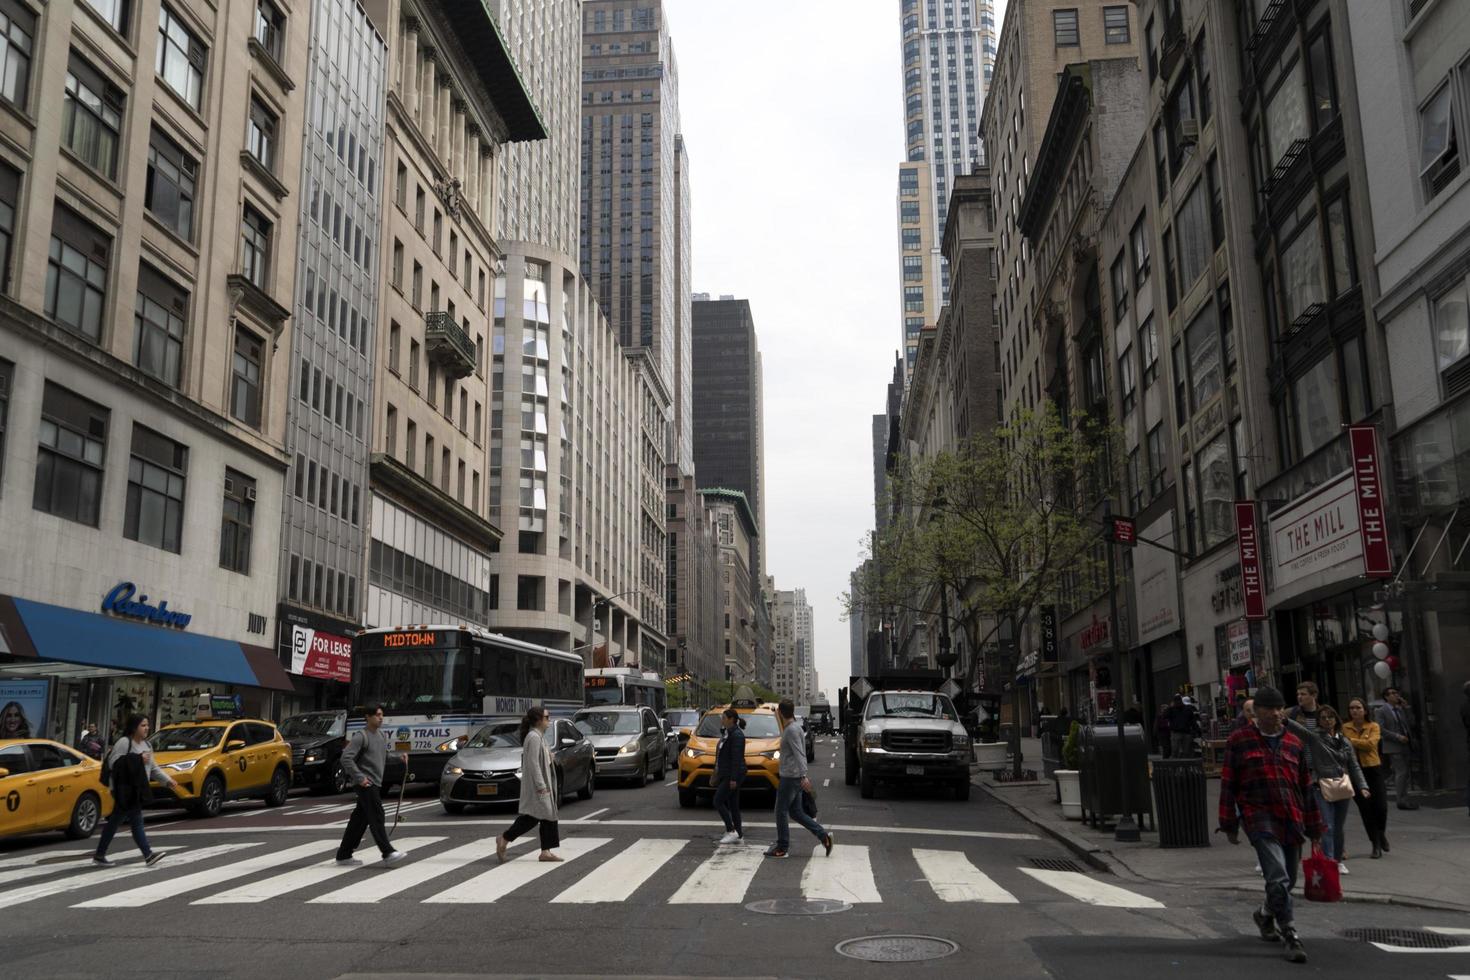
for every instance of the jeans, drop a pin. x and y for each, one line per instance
(1399, 766)
(550, 833)
(788, 807)
(134, 817)
(367, 815)
(1334, 821)
(727, 805)
(1278, 865)
(1374, 810)
(1182, 744)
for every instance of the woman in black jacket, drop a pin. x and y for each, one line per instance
(729, 775)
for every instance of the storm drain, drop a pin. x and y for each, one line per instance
(897, 949)
(1056, 864)
(1403, 938)
(798, 906)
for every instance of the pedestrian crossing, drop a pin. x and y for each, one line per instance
(593, 870)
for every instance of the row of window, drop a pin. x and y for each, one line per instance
(450, 466)
(1067, 31)
(314, 584)
(320, 487)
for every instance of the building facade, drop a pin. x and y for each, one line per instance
(145, 338)
(736, 533)
(794, 647)
(695, 604)
(454, 100)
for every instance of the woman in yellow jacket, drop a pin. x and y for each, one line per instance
(1364, 733)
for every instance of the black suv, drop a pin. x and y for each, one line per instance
(317, 739)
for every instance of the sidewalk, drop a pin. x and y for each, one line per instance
(1429, 866)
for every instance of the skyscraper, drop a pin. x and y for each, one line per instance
(948, 58)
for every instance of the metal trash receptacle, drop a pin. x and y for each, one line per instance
(1103, 764)
(1182, 802)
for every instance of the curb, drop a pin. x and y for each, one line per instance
(1110, 863)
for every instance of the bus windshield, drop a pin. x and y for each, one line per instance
(420, 681)
(611, 694)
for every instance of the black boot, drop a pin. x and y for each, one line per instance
(1383, 843)
(1377, 851)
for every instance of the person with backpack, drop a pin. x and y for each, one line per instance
(729, 774)
(127, 771)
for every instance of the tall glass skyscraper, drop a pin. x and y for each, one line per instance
(948, 58)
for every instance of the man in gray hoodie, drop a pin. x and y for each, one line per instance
(363, 761)
(793, 782)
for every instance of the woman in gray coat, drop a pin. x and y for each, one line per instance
(1332, 755)
(538, 788)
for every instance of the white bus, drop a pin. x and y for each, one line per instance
(439, 684)
(625, 685)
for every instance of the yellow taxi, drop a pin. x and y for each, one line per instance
(46, 786)
(218, 760)
(762, 750)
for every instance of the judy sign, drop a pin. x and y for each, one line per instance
(121, 602)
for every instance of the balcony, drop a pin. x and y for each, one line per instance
(448, 345)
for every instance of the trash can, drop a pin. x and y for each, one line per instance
(1103, 763)
(1183, 805)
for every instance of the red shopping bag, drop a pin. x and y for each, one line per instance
(1321, 881)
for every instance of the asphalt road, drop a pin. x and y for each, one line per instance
(644, 892)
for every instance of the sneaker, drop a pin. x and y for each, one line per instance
(730, 838)
(776, 852)
(394, 857)
(1295, 951)
(153, 858)
(349, 862)
(1267, 925)
(827, 843)
(1342, 867)
(103, 862)
(1408, 806)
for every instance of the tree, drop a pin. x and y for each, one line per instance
(1005, 523)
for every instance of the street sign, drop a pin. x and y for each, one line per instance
(1124, 531)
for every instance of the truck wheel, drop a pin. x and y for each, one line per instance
(867, 785)
(962, 790)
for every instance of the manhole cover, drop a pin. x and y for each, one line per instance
(1403, 938)
(897, 949)
(1056, 864)
(798, 906)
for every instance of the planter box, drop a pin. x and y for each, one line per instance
(990, 755)
(1069, 786)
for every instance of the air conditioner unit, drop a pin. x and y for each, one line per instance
(250, 493)
(229, 485)
(1188, 132)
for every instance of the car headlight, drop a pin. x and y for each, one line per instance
(872, 739)
(518, 773)
(691, 754)
(453, 771)
(314, 757)
(773, 754)
(962, 739)
(453, 745)
(182, 766)
(628, 748)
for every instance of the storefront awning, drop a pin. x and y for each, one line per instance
(45, 632)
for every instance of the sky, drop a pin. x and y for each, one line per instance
(792, 113)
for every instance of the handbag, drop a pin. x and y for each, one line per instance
(1322, 882)
(809, 803)
(1335, 788)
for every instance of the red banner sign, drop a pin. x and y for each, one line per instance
(1368, 481)
(1124, 532)
(1248, 541)
(316, 653)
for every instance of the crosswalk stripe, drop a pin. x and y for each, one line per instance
(955, 879)
(13, 875)
(102, 876)
(723, 878)
(291, 881)
(173, 887)
(416, 872)
(503, 879)
(1076, 885)
(846, 875)
(45, 857)
(619, 877)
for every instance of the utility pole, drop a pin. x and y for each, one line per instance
(1126, 830)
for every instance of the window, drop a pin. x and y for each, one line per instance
(418, 209)
(1064, 26)
(1115, 25)
(1202, 72)
(1315, 408)
(529, 590)
(71, 446)
(413, 364)
(76, 274)
(1193, 223)
(245, 383)
(1118, 279)
(1158, 462)
(416, 293)
(1202, 343)
(1301, 270)
(1439, 150)
(438, 230)
(17, 31)
(169, 192)
(1324, 85)
(1286, 114)
(155, 506)
(1161, 160)
(429, 458)
(1451, 313)
(114, 12)
(394, 340)
(1171, 288)
(9, 201)
(270, 27)
(1217, 203)
(397, 265)
(5, 375)
(1138, 240)
(255, 244)
(91, 117)
(913, 298)
(913, 268)
(180, 61)
(390, 424)
(1148, 341)
(261, 140)
(159, 314)
(1127, 381)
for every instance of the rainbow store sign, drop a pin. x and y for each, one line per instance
(120, 602)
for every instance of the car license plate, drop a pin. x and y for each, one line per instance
(487, 789)
(914, 770)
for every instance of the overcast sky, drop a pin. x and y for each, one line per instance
(793, 118)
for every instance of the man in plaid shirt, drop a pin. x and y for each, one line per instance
(1265, 783)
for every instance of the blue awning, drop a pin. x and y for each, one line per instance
(74, 636)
